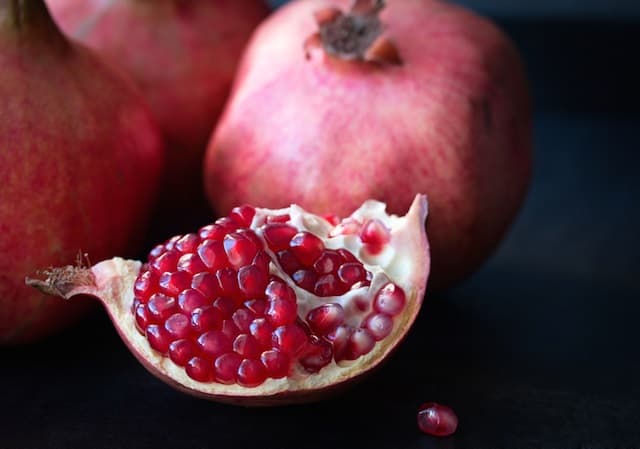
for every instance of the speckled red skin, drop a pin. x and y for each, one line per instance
(183, 54)
(453, 121)
(80, 158)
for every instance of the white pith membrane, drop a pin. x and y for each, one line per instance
(404, 261)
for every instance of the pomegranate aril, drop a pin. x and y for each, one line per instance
(281, 312)
(437, 419)
(226, 368)
(207, 284)
(190, 299)
(243, 214)
(278, 218)
(251, 373)
(252, 281)
(173, 283)
(239, 249)
(156, 252)
(188, 243)
(158, 337)
(317, 354)
(276, 363)
(213, 232)
(262, 261)
(348, 226)
(329, 285)
(306, 247)
(340, 339)
(278, 289)
(305, 279)
(191, 263)
(166, 261)
(261, 331)
(161, 307)
(278, 235)
(243, 318)
(333, 219)
(247, 346)
(181, 351)
(390, 300)
(379, 325)
(257, 306)
(178, 326)
(375, 232)
(328, 262)
(289, 339)
(325, 318)
(360, 342)
(347, 256)
(199, 369)
(350, 273)
(171, 243)
(213, 344)
(228, 282)
(226, 306)
(213, 255)
(228, 223)
(145, 285)
(142, 318)
(230, 329)
(205, 319)
(288, 261)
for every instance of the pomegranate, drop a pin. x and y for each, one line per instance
(183, 55)
(75, 141)
(437, 419)
(265, 306)
(332, 106)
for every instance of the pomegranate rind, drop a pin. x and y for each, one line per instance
(113, 282)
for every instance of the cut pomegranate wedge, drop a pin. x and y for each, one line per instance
(265, 306)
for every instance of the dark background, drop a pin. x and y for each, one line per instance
(539, 349)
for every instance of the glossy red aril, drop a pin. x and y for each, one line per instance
(437, 419)
(247, 328)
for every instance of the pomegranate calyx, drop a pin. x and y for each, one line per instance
(64, 281)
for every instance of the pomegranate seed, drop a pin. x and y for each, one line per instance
(166, 262)
(230, 329)
(288, 261)
(239, 249)
(181, 351)
(228, 282)
(199, 369)
(361, 342)
(226, 368)
(142, 318)
(328, 262)
(262, 261)
(257, 306)
(333, 219)
(188, 243)
(325, 318)
(191, 263)
(276, 362)
(347, 256)
(207, 284)
(213, 344)
(206, 319)
(261, 331)
(158, 338)
(390, 300)
(340, 339)
(178, 326)
(156, 252)
(437, 419)
(247, 346)
(213, 232)
(348, 226)
(242, 318)
(251, 373)
(171, 243)
(252, 281)
(250, 235)
(278, 235)
(317, 354)
(190, 299)
(329, 285)
(375, 232)
(278, 218)
(225, 305)
(277, 289)
(213, 255)
(173, 283)
(289, 339)
(243, 214)
(305, 279)
(306, 247)
(281, 312)
(161, 307)
(350, 273)
(145, 285)
(228, 223)
(379, 325)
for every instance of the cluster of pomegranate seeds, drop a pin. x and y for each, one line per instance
(208, 301)
(437, 419)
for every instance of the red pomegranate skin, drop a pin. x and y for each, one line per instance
(182, 54)
(80, 160)
(453, 120)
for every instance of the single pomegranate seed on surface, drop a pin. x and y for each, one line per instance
(213, 255)
(158, 338)
(199, 369)
(316, 355)
(288, 261)
(166, 261)
(251, 373)
(261, 331)
(181, 351)
(243, 318)
(190, 299)
(188, 243)
(247, 346)
(213, 344)
(390, 300)
(178, 326)
(225, 305)
(437, 419)
(207, 284)
(243, 214)
(306, 247)
(252, 281)
(161, 307)
(239, 249)
(350, 273)
(278, 235)
(191, 263)
(276, 362)
(289, 339)
(173, 283)
(145, 285)
(325, 318)
(226, 368)
(205, 319)
(328, 262)
(281, 312)
(305, 279)
(379, 325)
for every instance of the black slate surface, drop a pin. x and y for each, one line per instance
(539, 349)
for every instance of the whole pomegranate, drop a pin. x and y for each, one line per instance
(332, 105)
(80, 159)
(182, 54)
